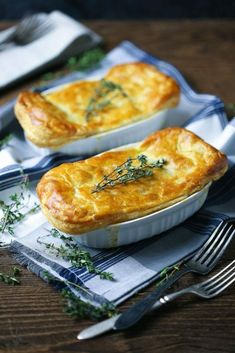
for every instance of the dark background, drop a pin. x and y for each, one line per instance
(121, 9)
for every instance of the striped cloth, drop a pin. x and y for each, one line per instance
(133, 266)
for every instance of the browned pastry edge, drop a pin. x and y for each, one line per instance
(46, 125)
(57, 190)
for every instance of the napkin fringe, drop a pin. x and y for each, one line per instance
(18, 253)
(26, 262)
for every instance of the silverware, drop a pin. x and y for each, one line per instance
(207, 289)
(202, 262)
(28, 29)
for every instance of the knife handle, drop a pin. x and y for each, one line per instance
(138, 310)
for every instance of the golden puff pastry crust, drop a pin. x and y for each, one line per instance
(76, 111)
(65, 192)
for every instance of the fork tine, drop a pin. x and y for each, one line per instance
(215, 242)
(217, 281)
(216, 255)
(219, 273)
(38, 32)
(211, 238)
(215, 245)
(221, 286)
(32, 27)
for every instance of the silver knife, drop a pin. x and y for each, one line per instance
(106, 325)
(110, 324)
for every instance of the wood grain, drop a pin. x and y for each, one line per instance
(31, 316)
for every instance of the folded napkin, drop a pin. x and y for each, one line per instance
(133, 266)
(66, 37)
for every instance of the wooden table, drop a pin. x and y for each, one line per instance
(31, 317)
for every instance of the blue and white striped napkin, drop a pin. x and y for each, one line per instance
(133, 266)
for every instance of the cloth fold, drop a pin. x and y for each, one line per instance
(136, 265)
(66, 38)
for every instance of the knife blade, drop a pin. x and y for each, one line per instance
(106, 325)
(98, 329)
(112, 323)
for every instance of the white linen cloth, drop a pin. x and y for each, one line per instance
(66, 37)
(136, 265)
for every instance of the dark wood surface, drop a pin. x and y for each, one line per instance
(31, 317)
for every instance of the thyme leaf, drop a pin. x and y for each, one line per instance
(5, 141)
(132, 169)
(77, 308)
(86, 60)
(230, 110)
(11, 278)
(70, 251)
(167, 272)
(12, 212)
(99, 100)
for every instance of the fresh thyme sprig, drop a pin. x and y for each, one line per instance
(11, 279)
(230, 110)
(127, 172)
(12, 213)
(167, 272)
(70, 251)
(77, 308)
(99, 100)
(85, 61)
(5, 141)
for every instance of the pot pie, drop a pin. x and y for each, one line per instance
(129, 182)
(127, 94)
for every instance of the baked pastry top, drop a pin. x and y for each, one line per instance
(72, 203)
(128, 93)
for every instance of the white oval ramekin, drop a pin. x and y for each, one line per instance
(145, 227)
(108, 139)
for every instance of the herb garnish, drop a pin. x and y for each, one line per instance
(167, 272)
(230, 110)
(77, 308)
(4, 141)
(86, 60)
(99, 100)
(127, 172)
(11, 279)
(12, 212)
(71, 252)
(83, 62)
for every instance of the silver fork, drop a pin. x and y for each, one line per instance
(207, 289)
(28, 29)
(202, 262)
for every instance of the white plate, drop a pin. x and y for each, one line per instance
(145, 227)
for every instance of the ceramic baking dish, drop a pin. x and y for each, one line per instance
(108, 139)
(145, 227)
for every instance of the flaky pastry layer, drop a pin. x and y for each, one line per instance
(56, 118)
(65, 192)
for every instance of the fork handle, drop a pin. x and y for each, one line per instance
(169, 298)
(138, 310)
